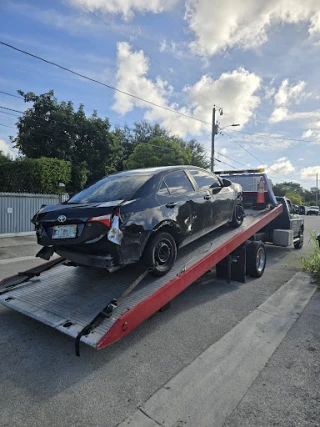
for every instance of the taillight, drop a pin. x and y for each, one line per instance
(104, 219)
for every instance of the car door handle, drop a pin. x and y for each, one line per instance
(171, 205)
(207, 197)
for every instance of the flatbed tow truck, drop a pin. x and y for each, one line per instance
(99, 308)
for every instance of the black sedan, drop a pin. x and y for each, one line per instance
(139, 214)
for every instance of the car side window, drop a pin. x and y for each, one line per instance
(204, 179)
(163, 189)
(291, 210)
(178, 183)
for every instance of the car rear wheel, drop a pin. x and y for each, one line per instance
(238, 215)
(256, 259)
(160, 253)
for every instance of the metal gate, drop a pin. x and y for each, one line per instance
(17, 209)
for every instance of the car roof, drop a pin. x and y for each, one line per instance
(155, 171)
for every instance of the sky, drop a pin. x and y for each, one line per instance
(257, 61)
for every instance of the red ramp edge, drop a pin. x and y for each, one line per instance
(146, 308)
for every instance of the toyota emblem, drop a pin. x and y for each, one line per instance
(62, 218)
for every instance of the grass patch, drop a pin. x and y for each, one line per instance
(311, 261)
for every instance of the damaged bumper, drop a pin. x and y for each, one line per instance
(100, 261)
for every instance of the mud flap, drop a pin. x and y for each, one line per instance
(233, 267)
(46, 252)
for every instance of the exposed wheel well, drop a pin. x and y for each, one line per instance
(171, 229)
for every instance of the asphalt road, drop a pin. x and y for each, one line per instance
(44, 384)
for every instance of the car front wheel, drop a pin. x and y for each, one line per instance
(160, 253)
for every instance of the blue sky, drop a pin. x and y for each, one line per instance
(257, 59)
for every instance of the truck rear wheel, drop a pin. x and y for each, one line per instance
(299, 243)
(256, 259)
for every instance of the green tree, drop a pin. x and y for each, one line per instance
(143, 132)
(294, 197)
(158, 152)
(284, 187)
(54, 129)
(199, 156)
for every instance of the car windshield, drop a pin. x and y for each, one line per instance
(315, 207)
(110, 189)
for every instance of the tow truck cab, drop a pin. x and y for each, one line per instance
(286, 229)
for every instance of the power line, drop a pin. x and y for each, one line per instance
(38, 133)
(11, 109)
(268, 136)
(10, 114)
(132, 43)
(10, 94)
(236, 161)
(243, 147)
(103, 84)
(221, 161)
(274, 171)
(271, 136)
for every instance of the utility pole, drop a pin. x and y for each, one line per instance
(213, 134)
(317, 186)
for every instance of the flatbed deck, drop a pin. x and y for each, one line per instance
(68, 298)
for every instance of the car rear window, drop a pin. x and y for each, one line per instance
(110, 189)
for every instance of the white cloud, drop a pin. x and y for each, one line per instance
(7, 149)
(279, 114)
(224, 151)
(285, 96)
(293, 94)
(265, 141)
(127, 8)
(163, 45)
(218, 25)
(179, 50)
(269, 92)
(286, 93)
(310, 172)
(281, 166)
(235, 90)
(308, 133)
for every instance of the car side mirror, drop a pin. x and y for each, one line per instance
(226, 182)
(216, 190)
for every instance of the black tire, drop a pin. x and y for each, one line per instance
(298, 244)
(256, 259)
(237, 216)
(160, 253)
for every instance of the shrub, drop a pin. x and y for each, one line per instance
(311, 262)
(41, 175)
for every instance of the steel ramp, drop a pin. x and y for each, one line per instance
(68, 298)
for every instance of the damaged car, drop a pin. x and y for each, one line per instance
(144, 214)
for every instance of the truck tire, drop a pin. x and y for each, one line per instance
(237, 216)
(256, 259)
(299, 243)
(160, 253)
